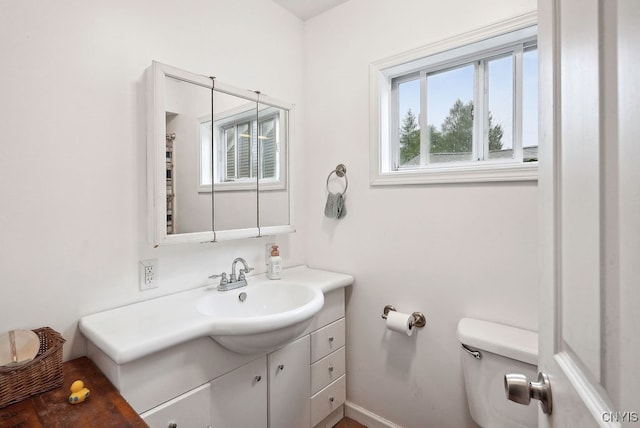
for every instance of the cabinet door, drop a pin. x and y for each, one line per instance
(290, 386)
(190, 410)
(239, 398)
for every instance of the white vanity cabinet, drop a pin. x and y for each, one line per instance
(316, 358)
(198, 383)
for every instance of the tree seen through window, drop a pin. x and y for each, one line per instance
(454, 136)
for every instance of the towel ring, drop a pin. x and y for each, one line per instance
(340, 171)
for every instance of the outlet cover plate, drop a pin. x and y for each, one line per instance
(148, 274)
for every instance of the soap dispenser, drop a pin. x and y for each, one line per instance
(275, 264)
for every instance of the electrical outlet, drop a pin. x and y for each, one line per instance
(148, 274)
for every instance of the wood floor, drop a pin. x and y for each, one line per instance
(349, 423)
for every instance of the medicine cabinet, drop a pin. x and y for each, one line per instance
(217, 159)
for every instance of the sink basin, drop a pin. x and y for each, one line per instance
(262, 316)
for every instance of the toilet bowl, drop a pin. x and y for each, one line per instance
(489, 351)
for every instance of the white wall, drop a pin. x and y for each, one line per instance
(450, 251)
(72, 111)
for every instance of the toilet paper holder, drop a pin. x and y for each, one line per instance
(419, 320)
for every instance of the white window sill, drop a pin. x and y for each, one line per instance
(470, 174)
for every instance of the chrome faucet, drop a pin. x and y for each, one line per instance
(243, 270)
(234, 282)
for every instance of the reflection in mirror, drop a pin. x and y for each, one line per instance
(207, 149)
(273, 126)
(235, 165)
(188, 210)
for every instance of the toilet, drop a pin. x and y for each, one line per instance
(489, 351)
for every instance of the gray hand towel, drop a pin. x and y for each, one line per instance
(335, 208)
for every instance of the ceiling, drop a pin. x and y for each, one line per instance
(305, 9)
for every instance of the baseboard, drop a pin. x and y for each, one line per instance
(365, 417)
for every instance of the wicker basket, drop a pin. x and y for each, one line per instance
(41, 374)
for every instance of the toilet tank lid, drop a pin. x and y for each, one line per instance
(512, 342)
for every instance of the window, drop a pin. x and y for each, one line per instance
(242, 142)
(463, 113)
(239, 155)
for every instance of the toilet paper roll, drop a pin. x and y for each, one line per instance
(400, 322)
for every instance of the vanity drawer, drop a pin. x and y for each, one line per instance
(191, 409)
(327, 370)
(327, 400)
(327, 340)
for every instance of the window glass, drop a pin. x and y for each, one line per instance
(499, 123)
(408, 114)
(205, 154)
(267, 142)
(244, 150)
(530, 105)
(450, 115)
(230, 157)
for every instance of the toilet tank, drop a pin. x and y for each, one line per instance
(501, 349)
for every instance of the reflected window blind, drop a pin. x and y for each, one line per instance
(242, 143)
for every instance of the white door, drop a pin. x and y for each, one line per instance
(590, 210)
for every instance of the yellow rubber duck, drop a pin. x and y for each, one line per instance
(78, 392)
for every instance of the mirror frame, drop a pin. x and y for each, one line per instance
(156, 159)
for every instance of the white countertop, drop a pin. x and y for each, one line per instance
(140, 329)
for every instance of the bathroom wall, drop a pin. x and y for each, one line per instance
(73, 145)
(450, 251)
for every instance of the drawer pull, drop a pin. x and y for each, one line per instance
(330, 368)
(172, 425)
(330, 338)
(281, 367)
(258, 378)
(331, 399)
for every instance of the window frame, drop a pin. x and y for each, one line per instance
(481, 45)
(232, 118)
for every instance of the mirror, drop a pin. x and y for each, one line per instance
(188, 209)
(217, 159)
(235, 167)
(273, 126)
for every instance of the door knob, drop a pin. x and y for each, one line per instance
(520, 390)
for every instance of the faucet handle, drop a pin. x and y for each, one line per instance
(243, 271)
(222, 276)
